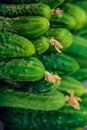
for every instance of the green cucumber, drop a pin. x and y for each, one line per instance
(59, 63)
(41, 44)
(69, 83)
(78, 14)
(78, 49)
(13, 10)
(37, 87)
(81, 74)
(14, 98)
(24, 69)
(12, 45)
(65, 21)
(84, 100)
(63, 35)
(27, 26)
(51, 3)
(65, 118)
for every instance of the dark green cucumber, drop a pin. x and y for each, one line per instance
(12, 45)
(84, 100)
(59, 63)
(62, 119)
(81, 74)
(13, 10)
(27, 26)
(38, 87)
(65, 21)
(63, 35)
(78, 49)
(78, 14)
(19, 99)
(41, 44)
(51, 3)
(69, 83)
(24, 69)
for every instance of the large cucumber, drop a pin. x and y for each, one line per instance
(24, 69)
(27, 26)
(78, 14)
(65, 21)
(78, 49)
(19, 99)
(12, 45)
(37, 87)
(63, 35)
(59, 63)
(62, 119)
(70, 84)
(13, 10)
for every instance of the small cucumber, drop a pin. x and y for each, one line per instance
(63, 35)
(59, 63)
(78, 49)
(69, 83)
(65, 21)
(27, 26)
(23, 69)
(77, 12)
(13, 10)
(13, 98)
(12, 45)
(81, 74)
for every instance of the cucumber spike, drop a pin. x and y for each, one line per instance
(57, 11)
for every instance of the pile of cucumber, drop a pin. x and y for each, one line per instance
(43, 61)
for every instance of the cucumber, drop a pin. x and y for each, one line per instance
(69, 83)
(41, 44)
(63, 35)
(24, 119)
(65, 21)
(77, 12)
(37, 87)
(51, 3)
(59, 63)
(27, 26)
(84, 100)
(13, 98)
(13, 10)
(81, 74)
(12, 45)
(23, 69)
(78, 49)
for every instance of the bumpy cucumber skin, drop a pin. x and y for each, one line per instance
(59, 63)
(63, 35)
(27, 26)
(37, 87)
(24, 119)
(78, 49)
(12, 98)
(13, 10)
(78, 14)
(12, 45)
(51, 3)
(69, 83)
(28, 69)
(41, 44)
(65, 21)
(81, 74)
(16, 1)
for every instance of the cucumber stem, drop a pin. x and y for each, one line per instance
(56, 44)
(73, 100)
(57, 11)
(51, 78)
